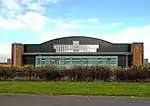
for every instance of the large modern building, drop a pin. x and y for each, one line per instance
(78, 50)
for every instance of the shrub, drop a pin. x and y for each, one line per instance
(77, 73)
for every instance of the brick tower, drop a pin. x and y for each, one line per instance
(137, 48)
(17, 50)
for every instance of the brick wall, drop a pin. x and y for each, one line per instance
(137, 48)
(17, 50)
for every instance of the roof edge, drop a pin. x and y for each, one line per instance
(78, 37)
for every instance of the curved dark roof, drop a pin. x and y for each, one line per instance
(77, 37)
(104, 46)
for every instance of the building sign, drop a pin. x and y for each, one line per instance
(76, 47)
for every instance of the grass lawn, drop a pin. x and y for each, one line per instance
(76, 88)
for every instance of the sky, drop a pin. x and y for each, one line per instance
(37, 21)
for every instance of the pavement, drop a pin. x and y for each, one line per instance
(36, 100)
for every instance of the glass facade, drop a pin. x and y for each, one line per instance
(76, 60)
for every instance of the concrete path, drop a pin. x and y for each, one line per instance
(34, 100)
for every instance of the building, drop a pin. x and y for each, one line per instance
(78, 50)
(4, 64)
(8, 63)
(145, 61)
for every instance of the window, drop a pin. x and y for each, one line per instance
(77, 60)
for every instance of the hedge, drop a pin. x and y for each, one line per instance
(76, 73)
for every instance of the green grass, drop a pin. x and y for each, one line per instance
(76, 88)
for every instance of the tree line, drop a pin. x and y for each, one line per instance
(76, 73)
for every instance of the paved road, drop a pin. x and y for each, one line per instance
(33, 100)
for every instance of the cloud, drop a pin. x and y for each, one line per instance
(5, 52)
(114, 24)
(33, 20)
(93, 20)
(10, 24)
(24, 13)
(43, 2)
(30, 14)
(82, 24)
(37, 21)
(36, 7)
(5, 49)
(26, 2)
(79, 25)
(11, 8)
(70, 25)
(49, 34)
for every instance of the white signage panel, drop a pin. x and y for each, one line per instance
(76, 47)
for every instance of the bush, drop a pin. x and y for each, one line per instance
(76, 73)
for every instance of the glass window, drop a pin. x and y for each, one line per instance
(77, 60)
